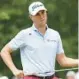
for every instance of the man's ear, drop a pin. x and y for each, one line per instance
(30, 16)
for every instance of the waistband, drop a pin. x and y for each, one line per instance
(42, 77)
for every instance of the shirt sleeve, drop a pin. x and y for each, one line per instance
(59, 45)
(17, 41)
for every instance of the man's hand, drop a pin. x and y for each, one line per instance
(18, 73)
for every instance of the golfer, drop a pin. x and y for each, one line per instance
(40, 46)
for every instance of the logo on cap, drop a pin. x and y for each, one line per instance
(36, 6)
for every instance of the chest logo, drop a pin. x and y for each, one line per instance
(51, 40)
(30, 33)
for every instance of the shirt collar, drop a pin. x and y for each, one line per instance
(35, 29)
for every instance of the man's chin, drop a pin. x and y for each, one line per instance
(42, 24)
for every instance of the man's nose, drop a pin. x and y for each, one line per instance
(42, 16)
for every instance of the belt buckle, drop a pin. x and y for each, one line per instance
(44, 77)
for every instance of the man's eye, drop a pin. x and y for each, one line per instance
(37, 14)
(42, 12)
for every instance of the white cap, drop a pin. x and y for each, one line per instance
(70, 73)
(35, 7)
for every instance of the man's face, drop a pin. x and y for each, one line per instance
(40, 18)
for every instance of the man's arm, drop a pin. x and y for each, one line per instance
(5, 54)
(65, 61)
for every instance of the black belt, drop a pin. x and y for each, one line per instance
(44, 77)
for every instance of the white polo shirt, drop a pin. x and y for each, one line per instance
(38, 52)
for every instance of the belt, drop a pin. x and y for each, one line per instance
(44, 77)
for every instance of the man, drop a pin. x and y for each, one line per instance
(39, 47)
(70, 75)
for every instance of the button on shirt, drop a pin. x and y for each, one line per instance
(38, 52)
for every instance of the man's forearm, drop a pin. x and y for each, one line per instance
(8, 60)
(6, 56)
(71, 62)
(66, 61)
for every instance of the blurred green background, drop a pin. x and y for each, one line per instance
(62, 16)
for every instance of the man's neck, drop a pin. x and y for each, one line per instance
(41, 28)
